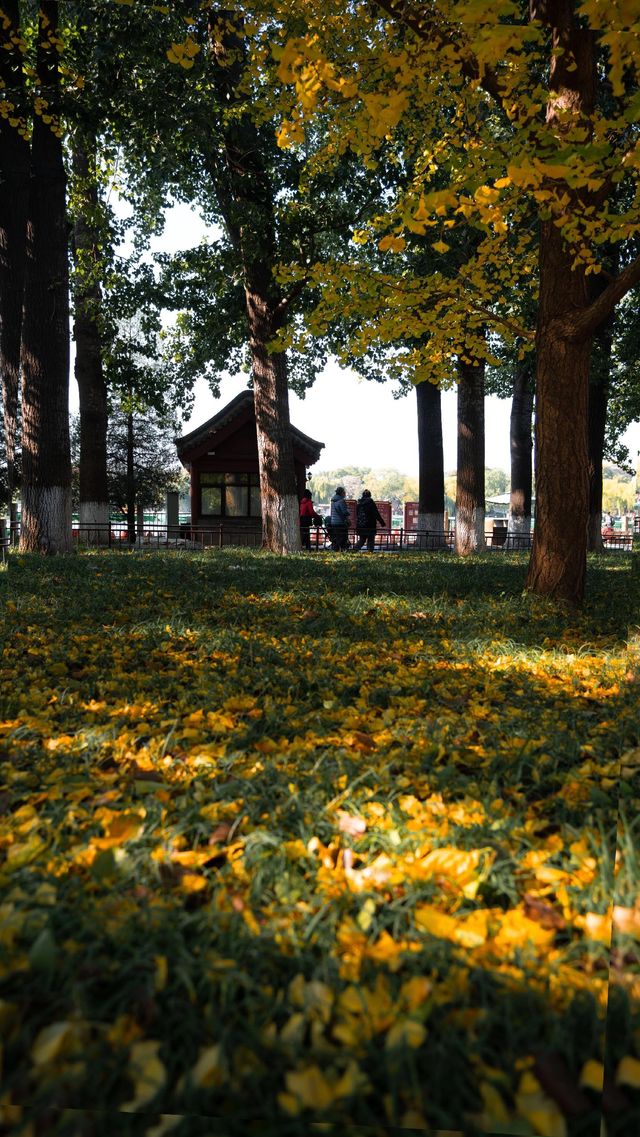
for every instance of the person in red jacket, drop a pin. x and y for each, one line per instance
(307, 515)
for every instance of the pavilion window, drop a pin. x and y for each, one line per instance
(229, 495)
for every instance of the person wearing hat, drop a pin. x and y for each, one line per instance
(367, 518)
(339, 520)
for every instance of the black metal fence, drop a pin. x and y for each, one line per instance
(225, 535)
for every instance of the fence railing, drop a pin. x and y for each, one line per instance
(221, 535)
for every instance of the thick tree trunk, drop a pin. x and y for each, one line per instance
(14, 188)
(46, 482)
(430, 464)
(558, 558)
(521, 445)
(279, 500)
(246, 199)
(92, 388)
(470, 476)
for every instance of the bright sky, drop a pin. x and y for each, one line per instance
(360, 422)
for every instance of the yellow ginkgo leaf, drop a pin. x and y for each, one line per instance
(437, 923)
(392, 244)
(628, 1072)
(121, 827)
(147, 1072)
(353, 1081)
(309, 1087)
(592, 1075)
(211, 1067)
(539, 1110)
(440, 247)
(52, 1041)
(596, 926)
(406, 1032)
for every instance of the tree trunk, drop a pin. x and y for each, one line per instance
(246, 199)
(92, 388)
(279, 500)
(14, 188)
(521, 445)
(470, 476)
(430, 464)
(558, 557)
(46, 482)
(131, 481)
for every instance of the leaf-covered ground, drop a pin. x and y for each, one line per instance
(328, 839)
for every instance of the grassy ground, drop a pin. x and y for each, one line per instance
(326, 839)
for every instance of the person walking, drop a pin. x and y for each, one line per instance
(367, 518)
(339, 521)
(307, 515)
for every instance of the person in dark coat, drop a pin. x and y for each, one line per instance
(307, 515)
(367, 518)
(339, 521)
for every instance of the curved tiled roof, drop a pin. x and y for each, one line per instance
(237, 406)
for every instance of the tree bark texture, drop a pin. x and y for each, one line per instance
(430, 461)
(470, 476)
(89, 373)
(521, 446)
(46, 489)
(14, 187)
(246, 199)
(558, 558)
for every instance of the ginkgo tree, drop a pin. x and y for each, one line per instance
(560, 77)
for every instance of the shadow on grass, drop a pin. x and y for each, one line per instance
(433, 681)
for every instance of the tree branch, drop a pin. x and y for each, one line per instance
(292, 295)
(428, 30)
(587, 322)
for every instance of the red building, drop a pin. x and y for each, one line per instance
(410, 516)
(222, 459)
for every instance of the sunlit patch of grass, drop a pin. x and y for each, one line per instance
(318, 839)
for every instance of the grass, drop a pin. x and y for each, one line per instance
(317, 840)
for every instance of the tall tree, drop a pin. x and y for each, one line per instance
(246, 198)
(430, 459)
(563, 163)
(470, 480)
(520, 447)
(93, 506)
(46, 481)
(14, 185)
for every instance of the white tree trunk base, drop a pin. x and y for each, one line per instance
(518, 525)
(470, 537)
(46, 519)
(431, 533)
(93, 518)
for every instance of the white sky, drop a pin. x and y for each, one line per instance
(360, 422)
